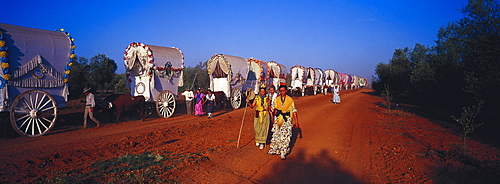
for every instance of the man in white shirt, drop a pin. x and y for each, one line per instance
(89, 108)
(210, 98)
(189, 101)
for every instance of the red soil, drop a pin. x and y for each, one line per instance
(355, 141)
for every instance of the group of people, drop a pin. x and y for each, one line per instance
(275, 109)
(199, 100)
(272, 109)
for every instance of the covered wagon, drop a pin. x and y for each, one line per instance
(345, 80)
(257, 74)
(331, 79)
(355, 82)
(298, 79)
(276, 73)
(228, 74)
(319, 80)
(34, 74)
(310, 76)
(155, 72)
(363, 82)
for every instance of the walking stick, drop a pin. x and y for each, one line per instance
(241, 127)
(243, 120)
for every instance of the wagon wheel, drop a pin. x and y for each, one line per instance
(236, 98)
(165, 104)
(33, 113)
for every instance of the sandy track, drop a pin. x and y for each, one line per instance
(350, 142)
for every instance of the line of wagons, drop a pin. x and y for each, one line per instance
(36, 64)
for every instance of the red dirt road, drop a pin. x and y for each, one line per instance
(355, 141)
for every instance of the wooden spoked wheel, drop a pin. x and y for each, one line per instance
(236, 97)
(33, 113)
(165, 104)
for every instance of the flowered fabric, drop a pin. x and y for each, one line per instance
(280, 141)
(198, 108)
(282, 128)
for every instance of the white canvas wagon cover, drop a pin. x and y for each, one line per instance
(331, 77)
(298, 73)
(319, 76)
(34, 59)
(152, 69)
(277, 73)
(227, 71)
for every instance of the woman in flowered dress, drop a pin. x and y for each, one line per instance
(285, 118)
(198, 108)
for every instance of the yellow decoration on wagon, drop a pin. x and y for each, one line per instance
(65, 80)
(70, 64)
(67, 72)
(2, 43)
(72, 56)
(5, 65)
(73, 47)
(3, 54)
(6, 76)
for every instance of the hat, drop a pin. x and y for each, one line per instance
(87, 89)
(262, 86)
(250, 94)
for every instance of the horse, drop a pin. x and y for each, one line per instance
(126, 104)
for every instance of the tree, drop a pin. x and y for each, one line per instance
(396, 73)
(202, 79)
(102, 72)
(78, 78)
(481, 32)
(422, 76)
(120, 84)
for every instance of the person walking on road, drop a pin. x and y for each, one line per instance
(189, 101)
(89, 108)
(285, 118)
(199, 97)
(210, 98)
(336, 96)
(272, 97)
(261, 103)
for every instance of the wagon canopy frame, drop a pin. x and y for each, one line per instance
(155, 72)
(331, 78)
(35, 68)
(257, 74)
(228, 74)
(298, 76)
(276, 73)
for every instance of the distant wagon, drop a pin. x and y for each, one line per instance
(319, 80)
(35, 67)
(257, 74)
(363, 82)
(310, 76)
(345, 81)
(228, 74)
(331, 79)
(276, 73)
(355, 82)
(298, 80)
(155, 72)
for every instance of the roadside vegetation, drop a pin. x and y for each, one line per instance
(461, 70)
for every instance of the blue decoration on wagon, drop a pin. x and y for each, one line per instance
(35, 67)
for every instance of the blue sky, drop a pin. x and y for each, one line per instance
(347, 36)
